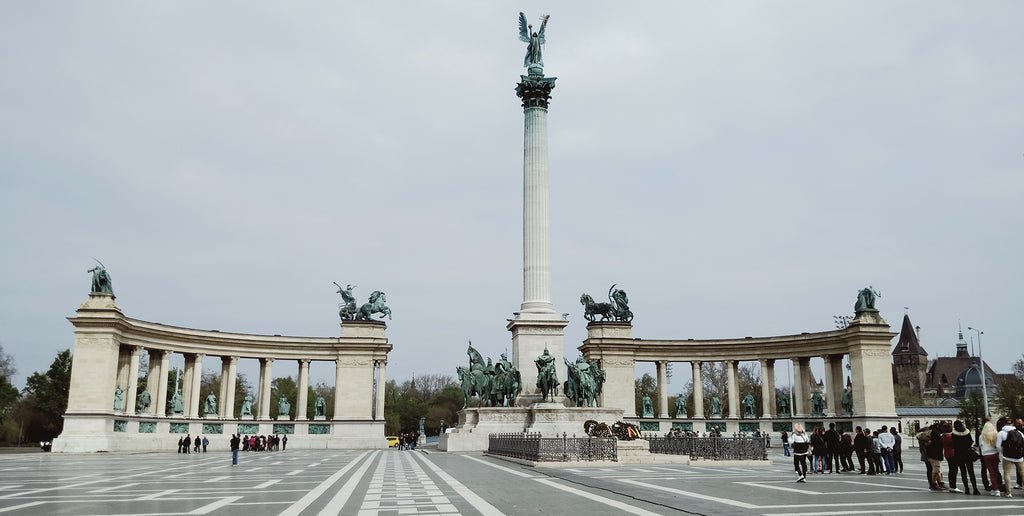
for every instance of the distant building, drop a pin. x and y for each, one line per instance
(942, 380)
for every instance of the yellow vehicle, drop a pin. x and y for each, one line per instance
(392, 441)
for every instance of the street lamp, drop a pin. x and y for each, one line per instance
(984, 389)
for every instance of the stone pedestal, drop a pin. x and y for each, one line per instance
(319, 418)
(211, 416)
(284, 418)
(549, 419)
(532, 333)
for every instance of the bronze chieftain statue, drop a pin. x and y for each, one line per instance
(493, 384)
(584, 383)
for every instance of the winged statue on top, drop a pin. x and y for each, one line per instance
(533, 61)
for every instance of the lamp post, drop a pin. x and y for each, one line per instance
(984, 389)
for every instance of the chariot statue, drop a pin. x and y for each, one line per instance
(866, 300)
(349, 312)
(100, 280)
(617, 309)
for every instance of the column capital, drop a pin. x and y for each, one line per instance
(535, 90)
(305, 361)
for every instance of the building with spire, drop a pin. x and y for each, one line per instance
(941, 380)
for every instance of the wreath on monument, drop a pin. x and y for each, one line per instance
(595, 429)
(625, 431)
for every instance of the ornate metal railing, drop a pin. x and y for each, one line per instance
(710, 448)
(531, 446)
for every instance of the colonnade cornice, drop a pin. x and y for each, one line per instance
(214, 343)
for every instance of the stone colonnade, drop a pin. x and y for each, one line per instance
(108, 347)
(866, 341)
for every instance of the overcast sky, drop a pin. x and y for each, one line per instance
(740, 169)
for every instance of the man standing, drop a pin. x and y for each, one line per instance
(860, 445)
(284, 443)
(234, 449)
(832, 449)
(206, 442)
(846, 450)
(887, 442)
(1010, 444)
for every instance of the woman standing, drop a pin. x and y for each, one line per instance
(800, 444)
(990, 457)
(818, 450)
(962, 456)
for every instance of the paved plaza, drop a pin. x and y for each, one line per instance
(426, 482)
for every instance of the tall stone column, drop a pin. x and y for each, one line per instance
(303, 396)
(161, 386)
(767, 388)
(229, 396)
(734, 394)
(662, 388)
(380, 388)
(266, 366)
(536, 326)
(698, 391)
(800, 400)
(133, 380)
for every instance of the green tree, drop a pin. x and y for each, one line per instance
(1009, 398)
(972, 410)
(9, 394)
(47, 397)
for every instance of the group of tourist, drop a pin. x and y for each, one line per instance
(264, 443)
(408, 440)
(1001, 444)
(187, 444)
(678, 433)
(880, 452)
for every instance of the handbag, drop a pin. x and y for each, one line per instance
(972, 454)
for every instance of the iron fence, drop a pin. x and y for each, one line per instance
(531, 446)
(710, 448)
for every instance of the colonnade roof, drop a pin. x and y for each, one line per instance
(362, 338)
(803, 345)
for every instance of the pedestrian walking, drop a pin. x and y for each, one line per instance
(800, 443)
(235, 441)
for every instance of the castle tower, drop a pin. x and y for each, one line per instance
(909, 359)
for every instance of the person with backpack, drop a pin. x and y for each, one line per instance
(1010, 444)
(800, 444)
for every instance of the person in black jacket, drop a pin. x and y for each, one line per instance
(235, 441)
(935, 457)
(861, 443)
(832, 449)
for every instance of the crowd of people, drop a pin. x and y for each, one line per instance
(999, 447)
(187, 445)
(256, 443)
(408, 440)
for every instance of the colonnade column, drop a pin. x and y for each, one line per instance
(734, 395)
(266, 366)
(837, 386)
(767, 388)
(380, 388)
(186, 385)
(303, 397)
(337, 393)
(197, 377)
(662, 366)
(133, 380)
(698, 391)
(830, 392)
(799, 408)
(222, 394)
(161, 386)
(229, 394)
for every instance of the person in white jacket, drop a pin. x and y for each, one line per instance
(800, 445)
